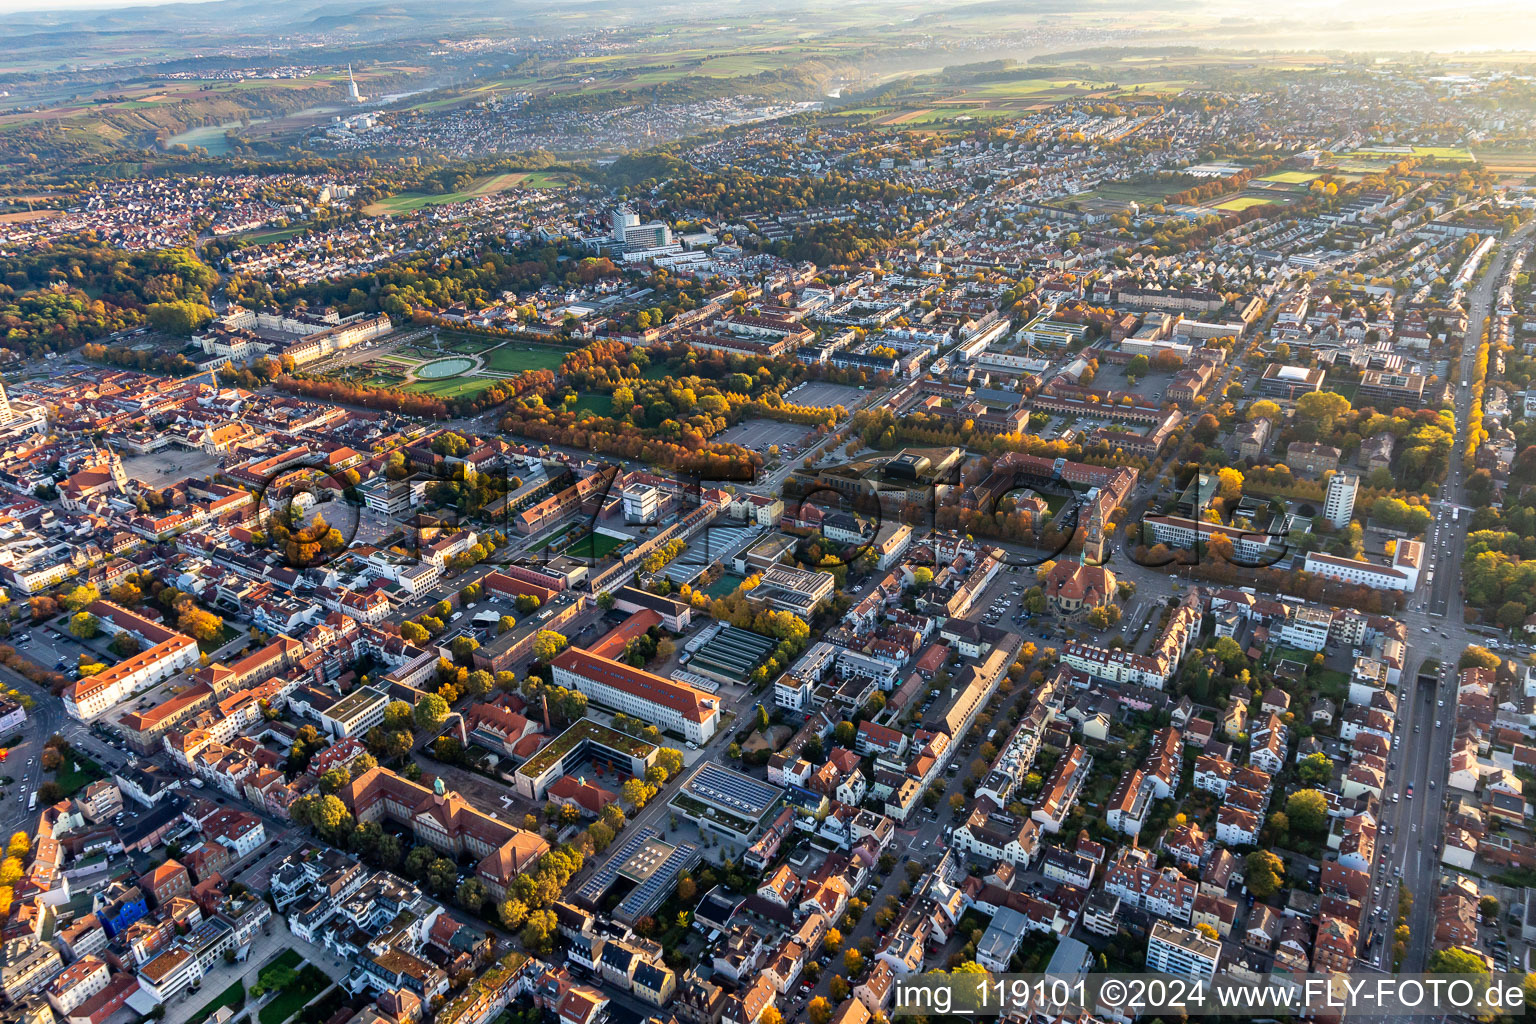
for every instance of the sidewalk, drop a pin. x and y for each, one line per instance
(263, 948)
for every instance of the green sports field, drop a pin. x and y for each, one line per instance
(1243, 203)
(1292, 177)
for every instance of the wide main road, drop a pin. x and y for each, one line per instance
(1427, 701)
(1448, 537)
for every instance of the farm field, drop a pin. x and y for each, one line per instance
(1451, 153)
(1032, 89)
(1509, 163)
(24, 216)
(1167, 85)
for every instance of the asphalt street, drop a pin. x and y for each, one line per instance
(1427, 720)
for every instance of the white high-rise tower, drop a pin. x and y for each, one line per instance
(1339, 505)
(352, 93)
(623, 219)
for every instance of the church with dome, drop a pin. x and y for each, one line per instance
(1072, 587)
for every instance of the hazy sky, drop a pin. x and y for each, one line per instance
(54, 5)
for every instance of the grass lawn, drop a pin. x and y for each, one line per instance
(288, 958)
(556, 539)
(77, 772)
(726, 584)
(310, 983)
(602, 405)
(209, 646)
(1332, 682)
(512, 359)
(407, 202)
(451, 387)
(233, 997)
(593, 545)
(275, 234)
(1279, 654)
(322, 1009)
(1445, 153)
(1243, 203)
(546, 179)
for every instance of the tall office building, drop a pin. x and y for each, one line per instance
(6, 415)
(623, 219)
(1339, 506)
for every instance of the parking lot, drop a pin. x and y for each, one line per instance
(818, 394)
(1112, 376)
(50, 648)
(760, 434)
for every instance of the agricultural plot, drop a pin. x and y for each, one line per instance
(1032, 90)
(1452, 154)
(1509, 162)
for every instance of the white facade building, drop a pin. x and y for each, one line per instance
(1339, 505)
(1182, 952)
